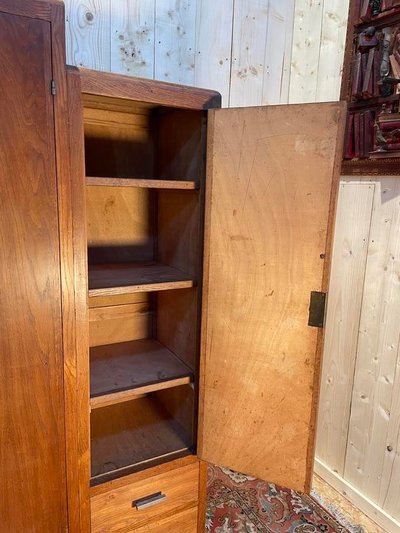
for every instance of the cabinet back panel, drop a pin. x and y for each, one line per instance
(32, 449)
(119, 144)
(120, 323)
(134, 435)
(120, 224)
(269, 203)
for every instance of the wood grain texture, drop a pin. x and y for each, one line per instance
(127, 395)
(32, 443)
(157, 92)
(120, 224)
(109, 324)
(88, 33)
(269, 186)
(132, 435)
(37, 9)
(384, 522)
(202, 496)
(118, 139)
(181, 155)
(113, 512)
(132, 38)
(125, 33)
(184, 522)
(250, 29)
(305, 51)
(142, 475)
(331, 49)
(373, 415)
(141, 183)
(134, 365)
(108, 280)
(352, 512)
(76, 360)
(174, 53)
(178, 323)
(278, 49)
(214, 21)
(342, 322)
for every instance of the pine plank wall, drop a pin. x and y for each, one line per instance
(259, 52)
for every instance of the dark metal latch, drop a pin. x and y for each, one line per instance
(316, 312)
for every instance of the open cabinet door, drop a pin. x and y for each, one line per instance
(271, 185)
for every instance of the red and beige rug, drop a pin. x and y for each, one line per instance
(242, 504)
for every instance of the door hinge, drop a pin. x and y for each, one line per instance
(316, 311)
(53, 87)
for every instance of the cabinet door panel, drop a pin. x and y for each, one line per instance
(32, 449)
(271, 171)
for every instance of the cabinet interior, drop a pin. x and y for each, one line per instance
(145, 171)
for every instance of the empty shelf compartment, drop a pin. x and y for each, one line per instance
(119, 372)
(134, 435)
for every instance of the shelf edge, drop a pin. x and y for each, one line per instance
(133, 394)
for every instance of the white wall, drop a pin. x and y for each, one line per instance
(253, 51)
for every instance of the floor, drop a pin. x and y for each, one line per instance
(349, 511)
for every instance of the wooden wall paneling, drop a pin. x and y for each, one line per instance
(278, 52)
(349, 257)
(358, 499)
(249, 35)
(287, 60)
(32, 423)
(214, 24)
(389, 497)
(175, 40)
(305, 51)
(88, 33)
(331, 49)
(270, 160)
(104, 41)
(76, 359)
(377, 348)
(132, 38)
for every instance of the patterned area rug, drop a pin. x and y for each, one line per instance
(242, 504)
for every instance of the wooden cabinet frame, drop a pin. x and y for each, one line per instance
(310, 143)
(216, 227)
(44, 393)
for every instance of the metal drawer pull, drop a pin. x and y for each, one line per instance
(148, 501)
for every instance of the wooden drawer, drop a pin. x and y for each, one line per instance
(112, 511)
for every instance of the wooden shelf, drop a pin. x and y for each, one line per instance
(371, 167)
(124, 371)
(126, 278)
(131, 436)
(142, 183)
(390, 17)
(371, 102)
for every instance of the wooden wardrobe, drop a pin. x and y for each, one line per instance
(164, 266)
